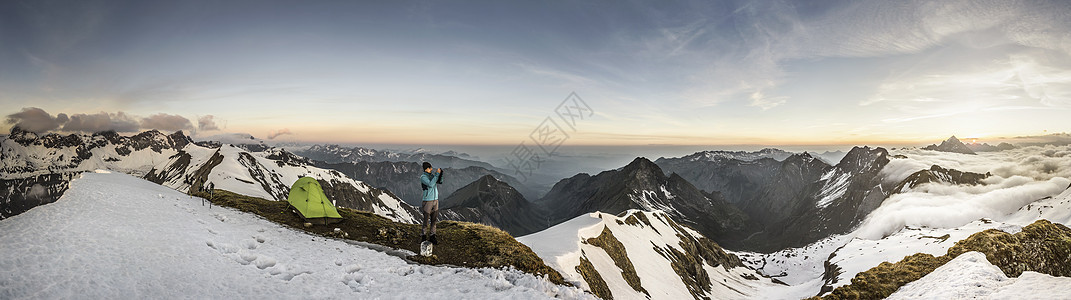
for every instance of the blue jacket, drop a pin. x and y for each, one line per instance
(429, 179)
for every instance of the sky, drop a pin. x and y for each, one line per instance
(490, 73)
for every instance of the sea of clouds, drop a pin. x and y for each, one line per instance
(1019, 177)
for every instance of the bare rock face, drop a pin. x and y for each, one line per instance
(493, 202)
(792, 202)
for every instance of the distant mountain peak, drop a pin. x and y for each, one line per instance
(720, 155)
(491, 201)
(863, 155)
(490, 180)
(642, 163)
(952, 144)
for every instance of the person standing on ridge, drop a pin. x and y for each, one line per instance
(429, 182)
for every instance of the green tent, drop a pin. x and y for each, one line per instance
(307, 197)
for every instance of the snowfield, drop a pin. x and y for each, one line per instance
(971, 276)
(115, 236)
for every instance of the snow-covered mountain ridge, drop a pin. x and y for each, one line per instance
(643, 254)
(36, 169)
(116, 236)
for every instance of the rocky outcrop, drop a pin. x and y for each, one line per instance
(619, 255)
(1042, 247)
(28, 192)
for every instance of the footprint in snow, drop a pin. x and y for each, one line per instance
(264, 262)
(245, 257)
(290, 276)
(354, 268)
(357, 282)
(250, 244)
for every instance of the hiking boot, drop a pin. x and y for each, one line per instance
(434, 241)
(423, 238)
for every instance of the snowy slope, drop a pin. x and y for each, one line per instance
(114, 236)
(270, 173)
(803, 268)
(970, 275)
(860, 254)
(646, 236)
(36, 169)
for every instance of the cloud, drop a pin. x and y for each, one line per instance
(166, 122)
(1056, 139)
(273, 134)
(207, 123)
(1020, 176)
(562, 76)
(1036, 162)
(758, 99)
(766, 36)
(36, 120)
(945, 206)
(102, 121)
(1012, 80)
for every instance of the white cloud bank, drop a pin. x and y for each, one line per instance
(1020, 176)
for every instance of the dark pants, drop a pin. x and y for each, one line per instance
(430, 209)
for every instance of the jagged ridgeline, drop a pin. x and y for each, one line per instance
(37, 168)
(642, 254)
(790, 202)
(642, 185)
